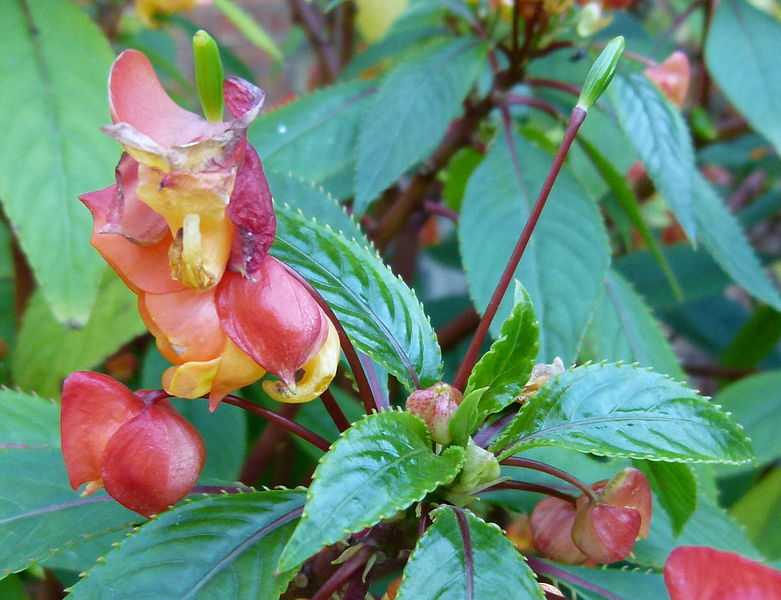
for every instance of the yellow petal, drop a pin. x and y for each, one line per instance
(192, 379)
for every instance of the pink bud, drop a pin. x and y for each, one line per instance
(673, 77)
(701, 573)
(436, 405)
(605, 533)
(551, 526)
(630, 489)
(144, 452)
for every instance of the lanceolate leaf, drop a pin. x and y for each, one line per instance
(314, 136)
(506, 367)
(742, 54)
(52, 149)
(725, 240)
(40, 515)
(622, 410)
(218, 547)
(659, 133)
(563, 265)
(676, 489)
(379, 312)
(461, 557)
(411, 112)
(379, 466)
(467, 416)
(47, 351)
(623, 328)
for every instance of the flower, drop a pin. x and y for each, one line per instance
(187, 226)
(137, 446)
(673, 76)
(709, 574)
(551, 526)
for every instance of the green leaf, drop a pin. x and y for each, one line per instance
(46, 351)
(506, 367)
(758, 512)
(466, 417)
(52, 148)
(563, 266)
(314, 136)
(619, 583)
(461, 557)
(382, 316)
(756, 339)
(725, 240)
(40, 515)
(623, 328)
(219, 547)
(660, 136)
(742, 53)
(11, 588)
(676, 490)
(249, 28)
(755, 403)
(411, 111)
(623, 410)
(379, 466)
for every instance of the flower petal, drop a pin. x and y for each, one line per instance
(551, 526)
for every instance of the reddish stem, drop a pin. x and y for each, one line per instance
(534, 103)
(532, 487)
(555, 85)
(341, 422)
(293, 427)
(344, 573)
(534, 465)
(263, 451)
(577, 116)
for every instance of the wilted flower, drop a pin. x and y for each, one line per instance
(137, 446)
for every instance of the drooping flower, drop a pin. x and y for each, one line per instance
(702, 573)
(137, 446)
(551, 526)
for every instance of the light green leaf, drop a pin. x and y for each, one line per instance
(47, 351)
(758, 512)
(725, 240)
(506, 367)
(314, 136)
(755, 403)
(379, 466)
(249, 28)
(675, 488)
(742, 53)
(563, 266)
(461, 557)
(622, 410)
(623, 328)
(411, 111)
(380, 313)
(466, 417)
(52, 149)
(660, 136)
(219, 547)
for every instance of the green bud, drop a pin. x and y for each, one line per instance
(208, 75)
(601, 73)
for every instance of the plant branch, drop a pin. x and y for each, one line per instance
(534, 103)
(555, 85)
(435, 208)
(535, 465)
(337, 416)
(544, 568)
(263, 451)
(577, 116)
(536, 488)
(344, 573)
(486, 434)
(364, 389)
(314, 23)
(285, 423)
(458, 328)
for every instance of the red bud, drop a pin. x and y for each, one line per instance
(551, 526)
(435, 405)
(605, 533)
(630, 489)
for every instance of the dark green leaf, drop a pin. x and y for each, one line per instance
(411, 111)
(758, 512)
(506, 367)
(313, 137)
(659, 133)
(563, 266)
(621, 583)
(727, 243)
(218, 547)
(47, 351)
(755, 403)
(461, 557)
(623, 328)
(52, 149)
(379, 466)
(742, 53)
(676, 490)
(622, 410)
(379, 312)
(12, 588)
(756, 339)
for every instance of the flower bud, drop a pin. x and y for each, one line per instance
(551, 526)
(601, 73)
(208, 75)
(436, 405)
(136, 445)
(605, 533)
(673, 77)
(630, 489)
(480, 468)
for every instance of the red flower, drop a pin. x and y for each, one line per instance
(135, 445)
(701, 573)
